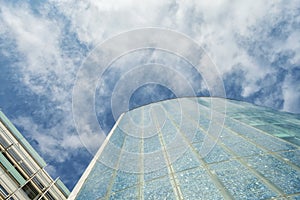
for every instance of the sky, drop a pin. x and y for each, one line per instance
(45, 47)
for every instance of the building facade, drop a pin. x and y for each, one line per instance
(22, 173)
(193, 148)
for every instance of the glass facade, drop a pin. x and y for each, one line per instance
(171, 150)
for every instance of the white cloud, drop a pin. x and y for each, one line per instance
(291, 95)
(56, 144)
(36, 38)
(94, 21)
(45, 69)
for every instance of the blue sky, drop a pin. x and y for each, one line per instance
(255, 46)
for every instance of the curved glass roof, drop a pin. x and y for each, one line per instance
(173, 150)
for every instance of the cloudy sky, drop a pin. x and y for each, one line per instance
(255, 47)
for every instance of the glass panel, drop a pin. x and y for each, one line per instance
(238, 144)
(117, 138)
(14, 154)
(278, 172)
(30, 190)
(159, 189)
(124, 180)
(38, 183)
(3, 142)
(129, 193)
(49, 196)
(151, 144)
(196, 183)
(26, 169)
(217, 154)
(156, 174)
(3, 191)
(240, 182)
(95, 185)
(169, 132)
(132, 144)
(292, 156)
(186, 161)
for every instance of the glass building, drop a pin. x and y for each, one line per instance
(22, 173)
(193, 148)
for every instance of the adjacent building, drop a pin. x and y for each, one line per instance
(193, 148)
(22, 173)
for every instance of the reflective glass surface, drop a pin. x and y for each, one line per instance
(156, 152)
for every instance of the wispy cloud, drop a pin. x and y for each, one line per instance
(46, 71)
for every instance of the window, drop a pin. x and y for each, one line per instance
(3, 191)
(38, 183)
(14, 155)
(26, 168)
(49, 196)
(3, 142)
(30, 190)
